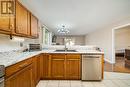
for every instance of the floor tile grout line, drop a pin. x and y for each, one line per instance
(105, 84)
(115, 83)
(46, 83)
(126, 83)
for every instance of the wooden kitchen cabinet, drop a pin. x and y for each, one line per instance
(10, 70)
(36, 69)
(23, 23)
(6, 24)
(34, 26)
(35, 72)
(58, 66)
(22, 78)
(61, 66)
(45, 66)
(73, 69)
(27, 73)
(21, 20)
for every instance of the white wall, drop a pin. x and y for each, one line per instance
(104, 38)
(122, 38)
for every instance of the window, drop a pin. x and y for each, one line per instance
(70, 41)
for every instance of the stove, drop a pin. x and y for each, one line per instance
(2, 73)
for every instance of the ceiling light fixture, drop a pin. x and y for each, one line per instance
(63, 30)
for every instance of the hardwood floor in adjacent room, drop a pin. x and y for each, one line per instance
(119, 66)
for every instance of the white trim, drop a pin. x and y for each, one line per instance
(113, 40)
(113, 46)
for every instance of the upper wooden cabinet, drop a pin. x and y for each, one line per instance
(22, 23)
(5, 20)
(6, 23)
(22, 20)
(34, 26)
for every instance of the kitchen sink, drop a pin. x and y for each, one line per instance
(65, 51)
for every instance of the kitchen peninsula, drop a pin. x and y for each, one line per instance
(31, 67)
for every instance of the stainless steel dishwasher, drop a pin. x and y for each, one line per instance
(91, 67)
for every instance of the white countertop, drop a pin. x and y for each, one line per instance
(10, 59)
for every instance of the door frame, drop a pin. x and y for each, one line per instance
(113, 40)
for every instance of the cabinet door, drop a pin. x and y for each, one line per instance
(35, 70)
(58, 66)
(23, 78)
(45, 66)
(6, 23)
(29, 23)
(73, 66)
(21, 20)
(34, 26)
(38, 68)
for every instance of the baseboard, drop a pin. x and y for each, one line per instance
(107, 60)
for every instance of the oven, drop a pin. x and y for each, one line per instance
(2, 73)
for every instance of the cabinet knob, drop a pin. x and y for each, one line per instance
(11, 26)
(23, 65)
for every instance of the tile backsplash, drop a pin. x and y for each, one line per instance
(6, 44)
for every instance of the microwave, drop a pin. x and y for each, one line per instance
(35, 47)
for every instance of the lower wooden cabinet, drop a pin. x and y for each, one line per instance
(36, 69)
(73, 67)
(61, 66)
(45, 66)
(58, 66)
(22, 78)
(27, 73)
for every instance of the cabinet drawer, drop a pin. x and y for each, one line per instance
(77, 56)
(58, 56)
(16, 67)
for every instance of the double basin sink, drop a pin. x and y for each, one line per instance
(65, 51)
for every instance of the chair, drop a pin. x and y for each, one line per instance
(127, 57)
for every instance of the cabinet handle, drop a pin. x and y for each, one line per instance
(11, 26)
(58, 59)
(73, 59)
(23, 65)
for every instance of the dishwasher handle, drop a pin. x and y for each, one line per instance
(91, 56)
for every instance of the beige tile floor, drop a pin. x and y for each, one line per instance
(111, 79)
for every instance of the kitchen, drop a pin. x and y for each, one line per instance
(38, 49)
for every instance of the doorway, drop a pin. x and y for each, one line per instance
(121, 46)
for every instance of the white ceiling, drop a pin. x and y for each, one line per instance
(80, 16)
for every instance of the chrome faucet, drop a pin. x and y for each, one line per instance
(65, 44)
(65, 48)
